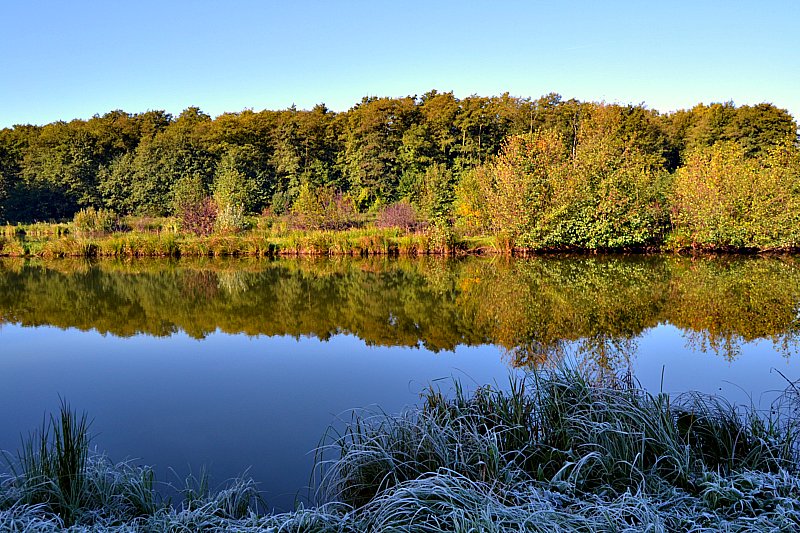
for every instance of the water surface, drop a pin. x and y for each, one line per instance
(241, 364)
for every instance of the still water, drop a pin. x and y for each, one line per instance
(242, 365)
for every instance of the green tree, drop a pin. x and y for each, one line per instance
(13, 144)
(710, 125)
(619, 163)
(115, 183)
(415, 154)
(437, 194)
(177, 152)
(760, 128)
(241, 179)
(3, 194)
(286, 160)
(247, 140)
(308, 211)
(439, 112)
(6, 171)
(234, 192)
(757, 129)
(320, 144)
(58, 170)
(373, 137)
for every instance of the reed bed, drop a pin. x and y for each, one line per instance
(353, 242)
(553, 451)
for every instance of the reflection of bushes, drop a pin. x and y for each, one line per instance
(303, 297)
(537, 305)
(727, 301)
(536, 309)
(200, 285)
(233, 282)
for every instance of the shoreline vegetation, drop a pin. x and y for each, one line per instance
(61, 240)
(556, 450)
(54, 240)
(405, 176)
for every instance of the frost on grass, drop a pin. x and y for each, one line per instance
(551, 452)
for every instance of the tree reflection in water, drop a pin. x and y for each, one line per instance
(539, 310)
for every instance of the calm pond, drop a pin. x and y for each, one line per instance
(243, 364)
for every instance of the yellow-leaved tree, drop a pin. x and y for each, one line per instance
(722, 198)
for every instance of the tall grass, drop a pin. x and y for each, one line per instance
(56, 473)
(354, 242)
(93, 221)
(53, 463)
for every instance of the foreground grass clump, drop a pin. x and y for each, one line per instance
(553, 452)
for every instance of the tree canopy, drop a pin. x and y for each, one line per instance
(423, 149)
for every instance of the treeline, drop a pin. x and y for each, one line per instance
(538, 173)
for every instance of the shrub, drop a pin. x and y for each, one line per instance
(470, 206)
(322, 208)
(398, 215)
(437, 194)
(231, 218)
(723, 199)
(91, 220)
(200, 218)
(526, 189)
(196, 211)
(233, 184)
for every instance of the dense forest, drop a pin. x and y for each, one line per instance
(543, 173)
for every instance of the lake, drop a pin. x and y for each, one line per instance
(241, 365)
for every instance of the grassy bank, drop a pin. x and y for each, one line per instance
(62, 240)
(554, 452)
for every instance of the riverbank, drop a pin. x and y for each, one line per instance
(354, 242)
(557, 451)
(61, 240)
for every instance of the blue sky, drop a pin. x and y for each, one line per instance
(64, 60)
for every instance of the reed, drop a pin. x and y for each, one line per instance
(256, 243)
(52, 464)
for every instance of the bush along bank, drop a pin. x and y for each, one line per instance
(554, 451)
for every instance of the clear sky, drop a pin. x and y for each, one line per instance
(63, 60)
